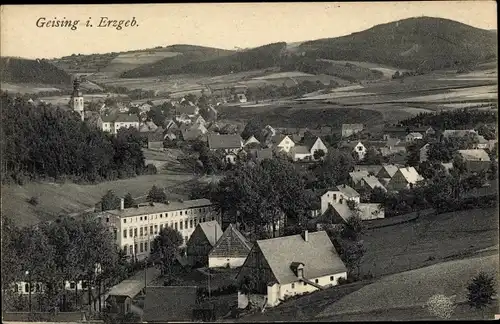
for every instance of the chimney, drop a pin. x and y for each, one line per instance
(122, 204)
(305, 235)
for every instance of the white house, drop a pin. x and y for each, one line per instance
(113, 122)
(306, 151)
(341, 194)
(230, 144)
(360, 150)
(283, 142)
(413, 136)
(291, 265)
(251, 140)
(135, 228)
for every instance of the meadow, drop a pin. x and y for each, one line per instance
(128, 61)
(26, 87)
(388, 71)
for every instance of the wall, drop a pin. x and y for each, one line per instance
(397, 182)
(360, 150)
(222, 262)
(318, 145)
(300, 156)
(286, 144)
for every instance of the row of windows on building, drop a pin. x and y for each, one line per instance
(38, 287)
(315, 281)
(142, 247)
(175, 213)
(153, 229)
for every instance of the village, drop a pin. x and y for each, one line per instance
(223, 267)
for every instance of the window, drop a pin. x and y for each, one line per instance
(84, 285)
(180, 224)
(185, 239)
(140, 218)
(161, 215)
(195, 221)
(37, 287)
(161, 227)
(145, 246)
(293, 286)
(331, 278)
(141, 247)
(130, 232)
(26, 287)
(125, 249)
(124, 220)
(334, 196)
(186, 224)
(115, 233)
(151, 229)
(135, 232)
(190, 223)
(316, 280)
(107, 219)
(305, 283)
(124, 233)
(145, 217)
(72, 285)
(181, 212)
(175, 225)
(156, 229)
(131, 249)
(141, 231)
(135, 248)
(203, 219)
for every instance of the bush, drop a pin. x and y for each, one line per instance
(342, 281)
(33, 201)
(440, 306)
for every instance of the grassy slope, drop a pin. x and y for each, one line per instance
(410, 43)
(414, 288)
(18, 70)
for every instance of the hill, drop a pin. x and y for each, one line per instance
(423, 42)
(209, 61)
(19, 70)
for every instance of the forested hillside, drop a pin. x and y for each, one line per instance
(18, 70)
(455, 119)
(47, 142)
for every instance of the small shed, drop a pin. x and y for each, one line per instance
(121, 295)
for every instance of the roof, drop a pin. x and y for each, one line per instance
(232, 229)
(266, 153)
(415, 134)
(342, 210)
(212, 231)
(458, 132)
(169, 304)
(278, 138)
(318, 256)
(251, 139)
(411, 175)
(347, 191)
(392, 141)
(310, 142)
(127, 288)
(373, 182)
(474, 155)
(352, 126)
(375, 168)
(224, 141)
(300, 149)
(356, 176)
(120, 118)
(391, 169)
(160, 208)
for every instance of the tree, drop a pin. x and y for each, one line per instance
(110, 201)
(352, 255)
(128, 201)
(157, 195)
(441, 306)
(318, 154)
(165, 249)
(372, 157)
(481, 291)
(334, 169)
(378, 195)
(252, 128)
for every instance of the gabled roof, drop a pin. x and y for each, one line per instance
(251, 139)
(277, 139)
(356, 176)
(212, 231)
(231, 229)
(343, 211)
(310, 142)
(375, 168)
(391, 169)
(300, 149)
(318, 256)
(474, 155)
(224, 141)
(410, 174)
(347, 191)
(373, 182)
(169, 304)
(415, 134)
(352, 127)
(127, 288)
(126, 118)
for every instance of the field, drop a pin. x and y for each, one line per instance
(414, 288)
(428, 240)
(26, 87)
(128, 61)
(63, 100)
(388, 71)
(56, 199)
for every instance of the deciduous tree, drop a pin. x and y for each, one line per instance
(157, 195)
(165, 249)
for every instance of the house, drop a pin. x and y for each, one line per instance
(111, 123)
(458, 132)
(192, 132)
(427, 130)
(387, 171)
(413, 136)
(241, 97)
(396, 132)
(392, 146)
(356, 176)
(231, 250)
(340, 194)
(475, 160)
(198, 120)
(291, 265)
(155, 139)
(164, 304)
(358, 148)
(366, 211)
(370, 183)
(371, 169)
(147, 127)
(186, 108)
(183, 119)
(306, 151)
(351, 129)
(145, 107)
(482, 143)
(122, 294)
(201, 242)
(229, 144)
(283, 142)
(424, 151)
(251, 140)
(169, 123)
(404, 178)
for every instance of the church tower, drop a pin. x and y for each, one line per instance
(77, 99)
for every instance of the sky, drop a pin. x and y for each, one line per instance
(222, 25)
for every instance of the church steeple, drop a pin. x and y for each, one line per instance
(77, 99)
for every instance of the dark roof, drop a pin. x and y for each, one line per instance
(212, 231)
(185, 109)
(169, 304)
(263, 154)
(224, 141)
(120, 118)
